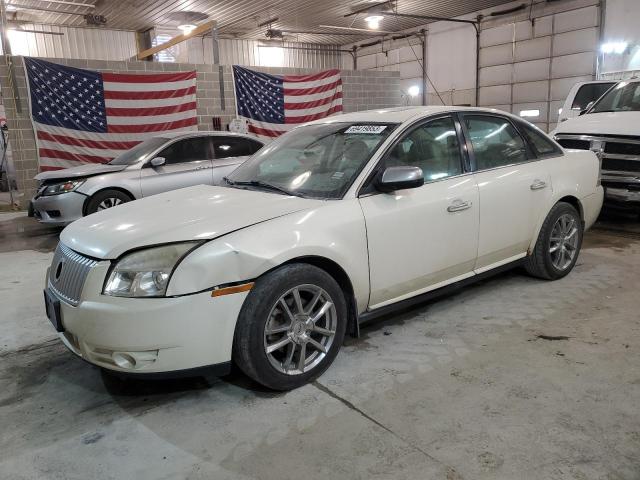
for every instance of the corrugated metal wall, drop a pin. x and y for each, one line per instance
(79, 43)
(102, 44)
(257, 53)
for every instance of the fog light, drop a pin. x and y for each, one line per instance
(123, 360)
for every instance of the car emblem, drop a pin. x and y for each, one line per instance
(58, 271)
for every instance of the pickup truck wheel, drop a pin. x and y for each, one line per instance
(106, 199)
(290, 327)
(558, 245)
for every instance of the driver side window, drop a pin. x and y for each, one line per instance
(433, 147)
(188, 150)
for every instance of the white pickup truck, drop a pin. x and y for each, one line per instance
(611, 128)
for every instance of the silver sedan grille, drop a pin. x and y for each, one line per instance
(68, 273)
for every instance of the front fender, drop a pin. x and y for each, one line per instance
(335, 231)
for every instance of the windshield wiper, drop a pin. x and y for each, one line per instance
(261, 184)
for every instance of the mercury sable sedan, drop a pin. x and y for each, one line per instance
(165, 162)
(332, 224)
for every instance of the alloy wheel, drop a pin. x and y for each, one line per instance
(300, 329)
(563, 243)
(109, 202)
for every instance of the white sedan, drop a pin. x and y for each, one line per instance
(332, 224)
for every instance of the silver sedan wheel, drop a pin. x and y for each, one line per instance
(300, 329)
(109, 202)
(563, 245)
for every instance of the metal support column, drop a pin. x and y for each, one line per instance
(216, 61)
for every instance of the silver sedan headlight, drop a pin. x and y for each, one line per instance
(62, 187)
(146, 273)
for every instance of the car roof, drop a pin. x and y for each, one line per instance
(199, 133)
(402, 114)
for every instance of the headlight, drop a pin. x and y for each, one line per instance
(64, 187)
(145, 273)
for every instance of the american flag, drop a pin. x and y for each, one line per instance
(83, 116)
(275, 104)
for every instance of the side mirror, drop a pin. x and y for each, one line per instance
(399, 178)
(584, 110)
(157, 162)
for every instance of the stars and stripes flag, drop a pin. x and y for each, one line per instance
(273, 104)
(83, 116)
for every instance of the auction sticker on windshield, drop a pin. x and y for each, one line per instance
(365, 129)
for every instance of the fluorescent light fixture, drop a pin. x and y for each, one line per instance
(187, 28)
(373, 21)
(614, 47)
(414, 90)
(530, 113)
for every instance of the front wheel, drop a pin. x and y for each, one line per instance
(558, 245)
(106, 199)
(291, 327)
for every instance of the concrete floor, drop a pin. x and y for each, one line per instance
(467, 387)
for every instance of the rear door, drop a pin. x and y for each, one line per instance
(514, 187)
(229, 152)
(188, 162)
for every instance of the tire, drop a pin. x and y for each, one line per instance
(106, 199)
(542, 262)
(280, 369)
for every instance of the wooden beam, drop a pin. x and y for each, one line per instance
(205, 27)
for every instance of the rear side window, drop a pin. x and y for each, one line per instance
(542, 145)
(495, 142)
(226, 147)
(589, 93)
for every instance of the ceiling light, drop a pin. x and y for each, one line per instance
(414, 90)
(374, 21)
(187, 28)
(614, 47)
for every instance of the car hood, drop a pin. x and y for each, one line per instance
(195, 213)
(80, 171)
(605, 123)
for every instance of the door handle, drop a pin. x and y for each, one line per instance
(458, 206)
(538, 184)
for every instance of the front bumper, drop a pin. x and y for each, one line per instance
(58, 209)
(622, 189)
(149, 335)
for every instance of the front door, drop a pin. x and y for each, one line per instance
(514, 186)
(188, 162)
(422, 238)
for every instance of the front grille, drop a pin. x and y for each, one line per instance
(622, 148)
(617, 164)
(68, 272)
(576, 144)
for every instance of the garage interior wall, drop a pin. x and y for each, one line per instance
(361, 91)
(528, 60)
(529, 66)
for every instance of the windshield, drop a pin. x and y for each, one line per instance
(139, 152)
(319, 161)
(624, 97)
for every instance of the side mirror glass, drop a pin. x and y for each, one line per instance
(157, 162)
(400, 178)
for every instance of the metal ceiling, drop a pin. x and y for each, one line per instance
(241, 17)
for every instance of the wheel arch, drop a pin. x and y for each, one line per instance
(89, 197)
(343, 280)
(571, 200)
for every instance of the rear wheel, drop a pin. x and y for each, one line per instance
(106, 199)
(291, 327)
(558, 245)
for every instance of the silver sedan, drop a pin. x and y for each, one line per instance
(158, 164)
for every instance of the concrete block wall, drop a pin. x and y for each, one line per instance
(362, 90)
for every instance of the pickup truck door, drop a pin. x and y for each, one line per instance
(422, 238)
(188, 162)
